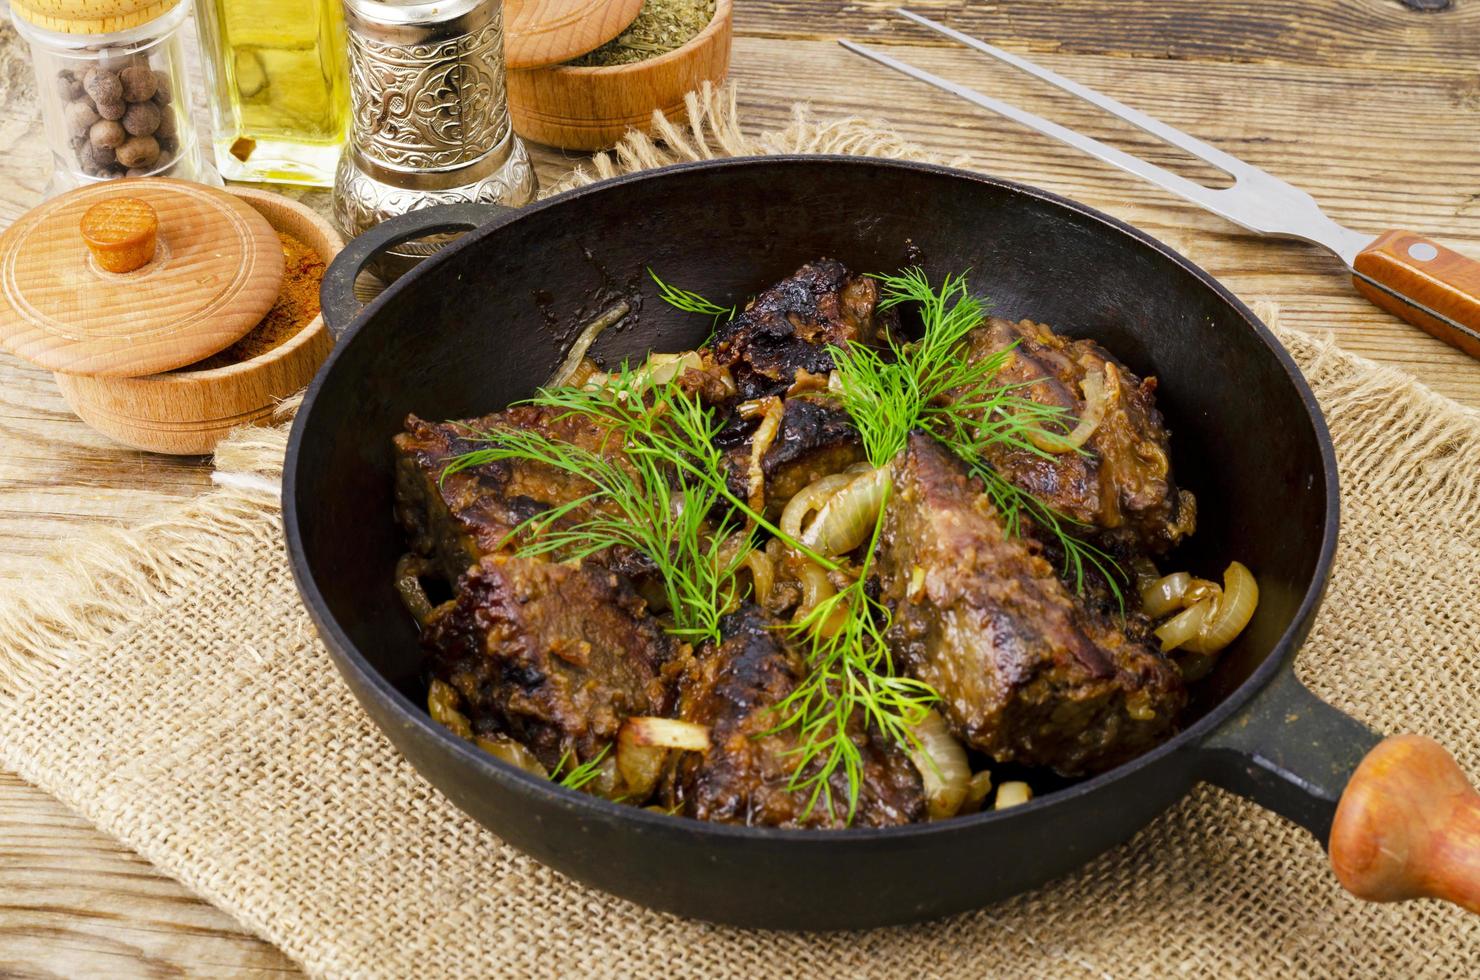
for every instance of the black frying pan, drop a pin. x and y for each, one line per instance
(487, 320)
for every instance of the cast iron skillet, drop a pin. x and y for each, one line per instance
(486, 320)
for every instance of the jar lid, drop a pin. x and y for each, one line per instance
(91, 16)
(547, 32)
(216, 270)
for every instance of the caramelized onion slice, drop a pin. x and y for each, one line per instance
(665, 733)
(977, 790)
(409, 569)
(1012, 794)
(1165, 594)
(1230, 614)
(1183, 626)
(1093, 387)
(811, 497)
(643, 744)
(762, 575)
(569, 368)
(942, 764)
(442, 702)
(513, 753)
(849, 516)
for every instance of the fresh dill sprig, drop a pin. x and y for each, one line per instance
(851, 674)
(932, 385)
(580, 775)
(639, 500)
(691, 302)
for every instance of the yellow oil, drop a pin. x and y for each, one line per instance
(279, 87)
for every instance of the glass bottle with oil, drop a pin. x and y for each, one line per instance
(279, 87)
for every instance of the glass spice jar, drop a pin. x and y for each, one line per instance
(112, 84)
(278, 87)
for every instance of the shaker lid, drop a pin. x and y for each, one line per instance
(91, 16)
(215, 271)
(547, 32)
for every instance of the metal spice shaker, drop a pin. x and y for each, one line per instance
(429, 117)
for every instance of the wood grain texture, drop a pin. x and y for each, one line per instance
(1370, 34)
(1408, 826)
(188, 412)
(1424, 275)
(590, 108)
(1352, 99)
(214, 276)
(543, 32)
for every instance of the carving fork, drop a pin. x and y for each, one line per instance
(1405, 273)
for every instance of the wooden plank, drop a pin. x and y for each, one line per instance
(1370, 106)
(1382, 35)
(75, 903)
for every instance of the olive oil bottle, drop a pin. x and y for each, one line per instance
(279, 87)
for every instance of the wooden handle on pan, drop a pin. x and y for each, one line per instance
(1408, 826)
(1423, 271)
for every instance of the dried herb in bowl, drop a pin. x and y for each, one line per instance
(660, 27)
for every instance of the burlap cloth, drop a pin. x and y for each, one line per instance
(165, 682)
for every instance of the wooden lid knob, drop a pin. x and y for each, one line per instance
(217, 269)
(121, 233)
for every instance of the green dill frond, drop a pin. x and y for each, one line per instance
(691, 302)
(580, 775)
(660, 497)
(850, 678)
(932, 385)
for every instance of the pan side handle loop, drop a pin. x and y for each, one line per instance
(337, 293)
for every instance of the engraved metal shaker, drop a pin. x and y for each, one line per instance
(430, 117)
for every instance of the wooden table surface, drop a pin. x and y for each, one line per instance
(1371, 105)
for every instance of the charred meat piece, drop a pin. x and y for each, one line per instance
(1026, 673)
(1122, 485)
(552, 655)
(743, 776)
(781, 339)
(814, 438)
(469, 514)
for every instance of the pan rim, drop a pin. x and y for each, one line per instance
(348, 657)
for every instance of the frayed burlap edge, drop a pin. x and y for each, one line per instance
(710, 129)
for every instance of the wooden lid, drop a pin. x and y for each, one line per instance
(215, 272)
(547, 32)
(91, 16)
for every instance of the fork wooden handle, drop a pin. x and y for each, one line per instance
(1408, 826)
(1412, 269)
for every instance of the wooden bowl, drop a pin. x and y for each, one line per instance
(591, 108)
(186, 412)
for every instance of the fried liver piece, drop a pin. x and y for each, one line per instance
(1026, 673)
(782, 337)
(553, 655)
(1122, 486)
(457, 520)
(743, 776)
(815, 438)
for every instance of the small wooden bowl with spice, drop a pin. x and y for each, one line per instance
(587, 101)
(167, 347)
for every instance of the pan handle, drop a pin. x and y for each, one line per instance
(337, 293)
(1398, 816)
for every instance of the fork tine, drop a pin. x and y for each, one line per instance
(1209, 154)
(1205, 196)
